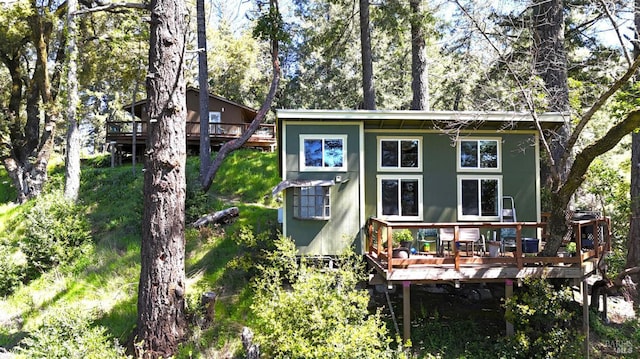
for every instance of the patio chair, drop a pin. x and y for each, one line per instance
(467, 236)
(428, 237)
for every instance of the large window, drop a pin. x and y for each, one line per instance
(479, 154)
(323, 153)
(479, 197)
(312, 202)
(400, 197)
(399, 154)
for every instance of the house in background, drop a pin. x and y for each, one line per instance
(340, 168)
(227, 120)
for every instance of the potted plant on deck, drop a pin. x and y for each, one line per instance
(402, 240)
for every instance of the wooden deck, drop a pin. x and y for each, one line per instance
(438, 266)
(121, 133)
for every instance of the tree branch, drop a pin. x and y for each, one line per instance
(607, 142)
(113, 6)
(584, 120)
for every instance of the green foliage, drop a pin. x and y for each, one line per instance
(403, 235)
(7, 191)
(11, 273)
(545, 322)
(69, 333)
(322, 315)
(57, 232)
(438, 337)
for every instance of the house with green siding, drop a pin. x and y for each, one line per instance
(342, 167)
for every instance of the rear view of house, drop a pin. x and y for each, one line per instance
(403, 166)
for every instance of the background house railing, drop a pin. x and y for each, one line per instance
(120, 129)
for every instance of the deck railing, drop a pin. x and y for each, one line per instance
(124, 129)
(380, 239)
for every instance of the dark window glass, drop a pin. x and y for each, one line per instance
(409, 153)
(389, 153)
(469, 154)
(470, 198)
(409, 199)
(489, 195)
(390, 197)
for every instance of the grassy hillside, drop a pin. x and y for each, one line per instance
(102, 285)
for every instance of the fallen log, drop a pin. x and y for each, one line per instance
(220, 217)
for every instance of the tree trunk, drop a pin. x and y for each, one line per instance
(633, 242)
(72, 168)
(419, 68)
(203, 83)
(551, 66)
(368, 88)
(161, 321)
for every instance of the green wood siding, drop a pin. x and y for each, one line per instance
(325, 237)
(440, 197)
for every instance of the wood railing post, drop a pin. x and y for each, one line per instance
(456, 249)
(519, 245)
(389, 249)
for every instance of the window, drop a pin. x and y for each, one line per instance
(323, 153)
(214, 117)
(478, 197)
(479, 154)
(312, 202)
(400, 197)
(399, 154)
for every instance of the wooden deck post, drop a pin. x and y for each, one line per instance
(406, 311)
(508, 293)
(585, 316)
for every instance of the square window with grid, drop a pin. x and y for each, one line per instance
(312, 202)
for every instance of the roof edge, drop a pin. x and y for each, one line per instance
(549, 117)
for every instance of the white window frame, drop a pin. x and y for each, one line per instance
(305, 168)
(418, 178)
(498, 168)
(480, 217)
(398, 168)
(324, 208)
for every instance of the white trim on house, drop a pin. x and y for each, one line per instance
(445, 116)
(399, 216)
(497, 169)
(461, 216)
(399, 167)
(323, 167)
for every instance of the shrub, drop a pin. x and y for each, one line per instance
(57, 232)
(545, 321)
(322, 315)
(11, 273)
(69, 333)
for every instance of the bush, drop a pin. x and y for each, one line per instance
(69, 333)
(322, 315)
(11, 273)
(57, 232)
(545, 321)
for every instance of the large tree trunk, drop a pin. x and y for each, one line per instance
(31, 148)
(368, 88)
(203, 82)
(72, 168)
(633, 242)
(551, 66)
(161, 321)
(419, 68)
